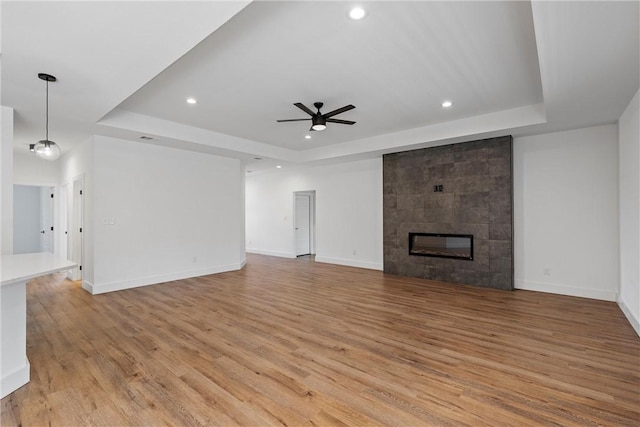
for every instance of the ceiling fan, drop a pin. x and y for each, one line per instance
(318, 120)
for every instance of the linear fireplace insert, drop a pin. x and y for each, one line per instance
(458, 246)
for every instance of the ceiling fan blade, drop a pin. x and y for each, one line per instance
(338, 111)
(344, 122)
(304, 108)
(292, 120)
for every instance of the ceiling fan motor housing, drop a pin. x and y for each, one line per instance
(318, 120)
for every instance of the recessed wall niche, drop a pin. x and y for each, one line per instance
(463, 189)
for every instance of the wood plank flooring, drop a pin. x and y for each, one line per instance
(294, 342)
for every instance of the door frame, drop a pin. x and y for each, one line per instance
(312, 219)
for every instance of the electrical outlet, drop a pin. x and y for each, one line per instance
(547, 271)
(195, 259)
(108, 221)
(354, 251)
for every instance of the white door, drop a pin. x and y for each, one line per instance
(46, 219)
(303, 225)
(63, 210)
(75, 230)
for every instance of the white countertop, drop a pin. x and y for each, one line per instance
(17, 268)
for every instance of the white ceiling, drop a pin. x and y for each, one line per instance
(126, 68)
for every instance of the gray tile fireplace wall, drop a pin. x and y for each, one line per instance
(456, 189)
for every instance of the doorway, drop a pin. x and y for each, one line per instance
(304, 222)
(33, 219)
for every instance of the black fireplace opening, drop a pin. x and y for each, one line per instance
(458, 246)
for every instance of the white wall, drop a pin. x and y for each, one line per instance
(175, 214)
(348, 212)
(566, 212)
(6, 176)
(26, 219)
(31, 170)
(629, 146)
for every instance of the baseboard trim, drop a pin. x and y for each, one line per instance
(350, 262)
(96, 289)
(87, 286)
(566, 290)
(635, 324)
(15, 379)
(271, 253)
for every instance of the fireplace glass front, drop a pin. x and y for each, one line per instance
(459, 246)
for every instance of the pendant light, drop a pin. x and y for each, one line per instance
(46, 149)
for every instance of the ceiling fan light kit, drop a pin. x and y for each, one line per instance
(318, 123)
(318, 120)
(45, 148)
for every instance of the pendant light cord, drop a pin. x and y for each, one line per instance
(47, 149)
(46, 122)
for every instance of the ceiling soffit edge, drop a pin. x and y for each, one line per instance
(128, 125)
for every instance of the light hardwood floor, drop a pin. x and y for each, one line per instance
(293, 342)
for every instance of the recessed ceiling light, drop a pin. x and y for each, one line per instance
(191, 101)
(447, 104)
(357, 13)
(307, 137)
(279, 167)
(257, 158)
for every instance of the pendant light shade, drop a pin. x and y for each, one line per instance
(46, 149)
